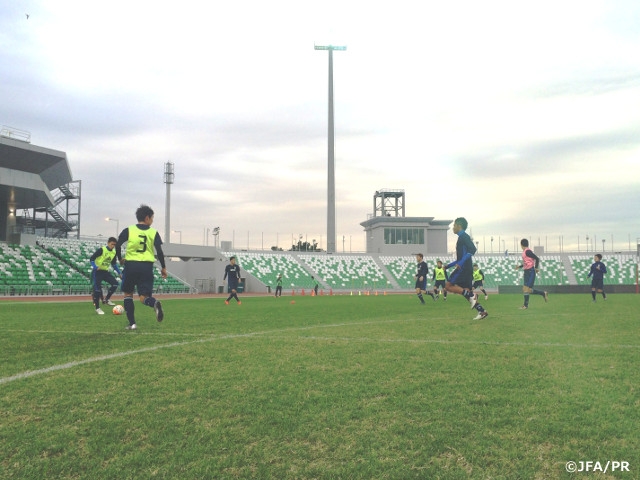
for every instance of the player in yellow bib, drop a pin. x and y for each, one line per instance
(138, 262)
(101, 260)
(478, 280)
(440, 278)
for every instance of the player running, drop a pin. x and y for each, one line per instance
(461, 280)
(421, 278)
(141, 241)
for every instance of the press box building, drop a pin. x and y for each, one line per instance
(389, 232)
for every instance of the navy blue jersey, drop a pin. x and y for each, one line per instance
(232, 274)
(423, 270)
(598, 270)
(465, 249)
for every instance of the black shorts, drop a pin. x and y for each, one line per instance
(462, 278)
(422, 285)
(138, 275)
(597, 283)
(99, 276)
(440, 283)
(478, 283)
(529, 277)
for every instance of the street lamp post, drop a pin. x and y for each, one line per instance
(216, 233)
(331, 187)
(108, 219)
(180, 232)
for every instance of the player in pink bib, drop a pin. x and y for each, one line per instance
(530, 264)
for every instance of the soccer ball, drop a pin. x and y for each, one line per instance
(118, 310)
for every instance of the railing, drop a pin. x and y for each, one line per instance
(15, 134)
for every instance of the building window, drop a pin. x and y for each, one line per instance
(404, 236)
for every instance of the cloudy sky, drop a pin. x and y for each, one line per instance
(524, 118)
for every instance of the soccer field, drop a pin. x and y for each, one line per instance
(341, 387)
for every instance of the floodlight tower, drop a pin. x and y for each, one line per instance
(168, 179)
(331, 187)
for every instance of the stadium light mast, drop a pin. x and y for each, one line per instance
(168, 180)
(331, 184)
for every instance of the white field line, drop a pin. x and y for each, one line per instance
(102, 358)
(454, 342)
(278, 334)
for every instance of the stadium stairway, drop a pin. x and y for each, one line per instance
(568, 268)
(305, 266)
(390, 278)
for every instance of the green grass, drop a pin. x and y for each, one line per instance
(345, 387)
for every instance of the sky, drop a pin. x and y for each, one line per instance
(523, 118)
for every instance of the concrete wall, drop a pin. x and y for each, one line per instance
(582, 289)
(207, 275)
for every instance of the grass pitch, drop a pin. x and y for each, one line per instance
(343, 387)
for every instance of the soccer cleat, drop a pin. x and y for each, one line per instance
(473, 300)
(523, 307)
(486, 297)
(226, 302)
(159, 313)
(546, 297)
(99, 311)
(481, 315)
(437, 297)
(239, 302)
(110, 303)
(131, 327)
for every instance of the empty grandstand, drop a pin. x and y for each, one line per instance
(42, 252)
(57, 266)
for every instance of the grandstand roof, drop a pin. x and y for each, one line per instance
(28, 173)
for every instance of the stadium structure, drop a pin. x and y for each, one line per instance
(42, 251)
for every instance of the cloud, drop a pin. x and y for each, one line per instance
(561, 160)
(477, 115)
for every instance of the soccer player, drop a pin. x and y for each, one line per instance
(421, 278)
(101, 260)
(440, 276)
(279, 285)
(530, 264)
(232, 275)
(478, 280)
(141, 240)
(461, 280)
(598, 270)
